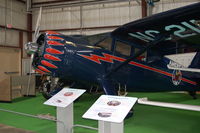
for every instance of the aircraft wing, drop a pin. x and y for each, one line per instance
(180, 26)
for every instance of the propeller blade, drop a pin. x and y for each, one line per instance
(36, 34)
(37, 28)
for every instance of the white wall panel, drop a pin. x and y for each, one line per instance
(12, 38)
(2, 3)
(110, 14)
(19, 19)
(2, 36)
(58, 18)
(9, 37)
(2, 14)
(75, 17)
(165, 5)
(16, 14)
(124, 15)
(92, 16)
(135, 12)
(100, 15)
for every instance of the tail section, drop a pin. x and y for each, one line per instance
(196, 61)
(189, 62)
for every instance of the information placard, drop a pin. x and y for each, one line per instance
(110, 108)
(65, 97)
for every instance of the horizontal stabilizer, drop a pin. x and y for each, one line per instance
(183, 59)
(184, 62)
(169, 105)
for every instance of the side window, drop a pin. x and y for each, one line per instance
(141, 57)
(106, 43)
(122, 48)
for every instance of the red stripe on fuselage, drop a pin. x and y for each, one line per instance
(98, 59)
(48, 64)
(110, 58)
(43, 69)
(150, 68)
(55, 43)
(53, 51)
(55, 38)
(51, 57)
(41, 72)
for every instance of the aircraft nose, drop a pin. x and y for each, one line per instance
(31, 47)
(49, 52)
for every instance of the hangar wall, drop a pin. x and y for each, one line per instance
(13, 30)
(165, 5)
(91, 19)
(12, 13)
(91, 16)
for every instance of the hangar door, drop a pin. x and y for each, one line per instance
(10, 65)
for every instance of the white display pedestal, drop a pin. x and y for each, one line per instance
(63, 100)
(65, 119)
(110, 127)
(110, 112)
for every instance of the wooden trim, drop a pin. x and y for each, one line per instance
(21, 39)
(21, 47)
(29, 27)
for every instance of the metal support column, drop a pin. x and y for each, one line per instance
(65, 119)
(110, 127)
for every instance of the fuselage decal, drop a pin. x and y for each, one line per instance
(178, 30)
(106, 58)
(110, 59)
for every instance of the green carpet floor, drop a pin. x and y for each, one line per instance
(146, 119)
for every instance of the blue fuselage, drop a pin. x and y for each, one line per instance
(63, 57)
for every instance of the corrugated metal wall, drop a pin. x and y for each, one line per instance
(14, 13)
(165, 5)
(99, 15)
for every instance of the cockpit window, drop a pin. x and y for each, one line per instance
(105, 43)
(102, 40)
(122, 48)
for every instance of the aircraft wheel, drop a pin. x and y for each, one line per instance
(46, 89)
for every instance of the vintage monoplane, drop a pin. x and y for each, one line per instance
(150, 54)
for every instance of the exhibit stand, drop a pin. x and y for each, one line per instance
(110, 112)
(65, 119)
(110, 127)
(63, 100)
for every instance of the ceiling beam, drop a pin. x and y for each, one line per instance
(70, 3)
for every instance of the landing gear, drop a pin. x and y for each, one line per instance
(122, 91)
(50, 86)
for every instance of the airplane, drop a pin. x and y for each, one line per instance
(158, 53)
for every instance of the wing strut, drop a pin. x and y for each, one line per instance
(169, 105)
(149, 45)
